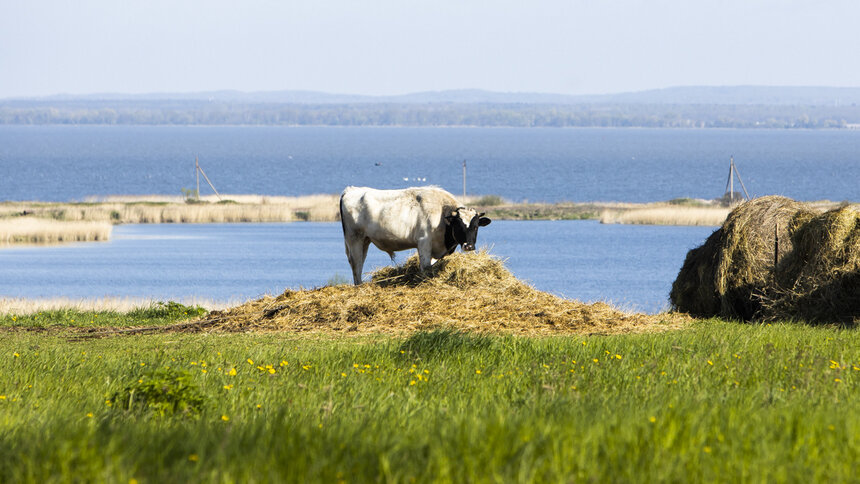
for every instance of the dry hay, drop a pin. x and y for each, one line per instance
(741, 273)
(468, 292)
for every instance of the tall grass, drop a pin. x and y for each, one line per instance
(27, 230)
(720, 402)
(667, 215)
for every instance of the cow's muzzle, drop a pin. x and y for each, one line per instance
(468, 247)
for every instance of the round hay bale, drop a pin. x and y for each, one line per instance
(731, 273)
(819, 281)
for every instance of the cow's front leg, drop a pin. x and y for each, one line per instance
(425, 253)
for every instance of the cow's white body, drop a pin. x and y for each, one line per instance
(395, 220)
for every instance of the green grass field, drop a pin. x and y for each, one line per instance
(718, 402)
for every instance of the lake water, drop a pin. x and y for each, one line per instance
(61, 163)
(630, 266)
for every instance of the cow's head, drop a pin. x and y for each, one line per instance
(463, 226)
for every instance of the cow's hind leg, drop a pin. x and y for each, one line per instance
(356, 252)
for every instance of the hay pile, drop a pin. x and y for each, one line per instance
(740, 272)
(469, 292)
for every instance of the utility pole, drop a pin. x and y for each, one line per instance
(730, 184)
(464, 179)
(732, 178)
(197, 172)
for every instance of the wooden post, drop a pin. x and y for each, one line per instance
(464, 179)
(775, 248)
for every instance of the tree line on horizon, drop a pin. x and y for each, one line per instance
(183, 113)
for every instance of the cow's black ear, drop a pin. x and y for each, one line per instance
(450, 219)
(483, 221)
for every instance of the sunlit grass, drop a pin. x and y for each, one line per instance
(717, 402)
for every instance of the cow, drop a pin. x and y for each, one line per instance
(427, 218)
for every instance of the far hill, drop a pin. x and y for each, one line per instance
(676, 107)
(723, 95)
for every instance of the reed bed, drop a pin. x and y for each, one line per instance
(167, 209)
(667, 215)
(27, 230)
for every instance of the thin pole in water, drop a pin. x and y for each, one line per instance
(464, 179)
(732, 177)
(197, 172)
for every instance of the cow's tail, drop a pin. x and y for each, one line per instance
(342, 222)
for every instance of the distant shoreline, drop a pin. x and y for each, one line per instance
(46, 223)
(33, 222)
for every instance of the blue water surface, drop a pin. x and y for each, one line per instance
(631, 266)
(62, 163)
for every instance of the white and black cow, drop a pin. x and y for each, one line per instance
(427, 218)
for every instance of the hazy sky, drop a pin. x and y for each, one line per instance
(401, 46)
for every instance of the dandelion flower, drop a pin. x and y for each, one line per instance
(225, 418)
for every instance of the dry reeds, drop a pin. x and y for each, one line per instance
(165, 209)
(28, 230)
(470, 292)
(775, 258)
(667, 215)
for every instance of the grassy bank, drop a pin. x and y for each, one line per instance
(715, 402)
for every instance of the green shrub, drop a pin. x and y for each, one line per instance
(165, 392)
(489, 201)
(170, 310)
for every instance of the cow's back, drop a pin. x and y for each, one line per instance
(395, 217)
